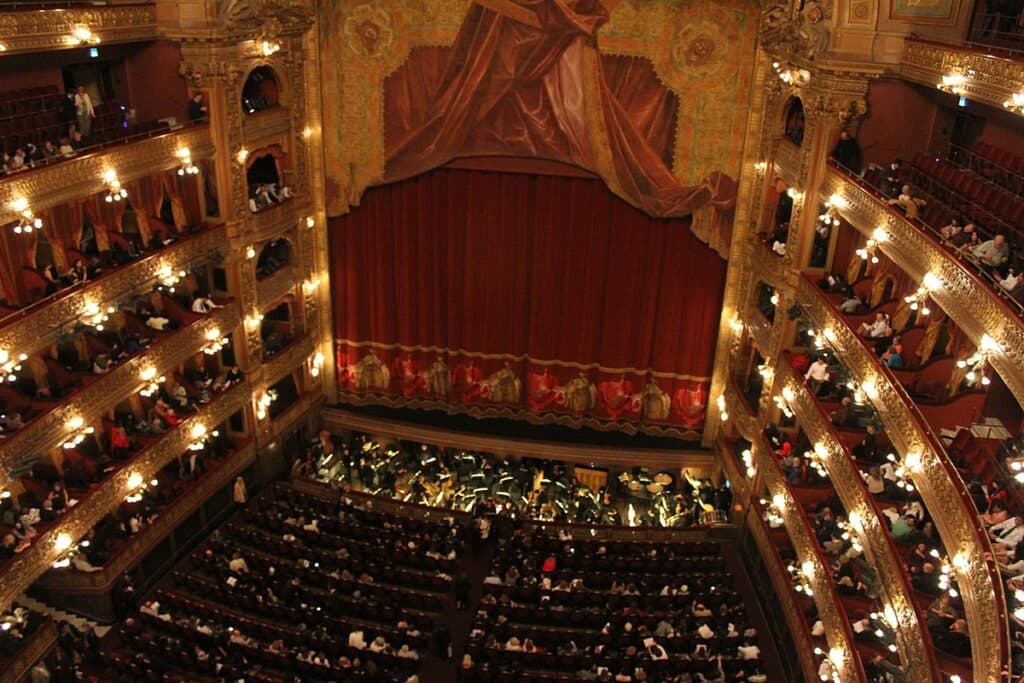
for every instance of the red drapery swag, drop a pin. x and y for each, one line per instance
(509, 88)
(541, 297)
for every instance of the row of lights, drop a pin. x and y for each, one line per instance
(10, 365)
(264, 402)
(115, 192)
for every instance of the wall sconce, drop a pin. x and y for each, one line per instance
(760, 166)
(794, 194)
(918, 299)
(3, 48)
(748, 462)
(200, 436)
(187, 167)
(774, 299)
(250, 252)
(269, 46)
(94, 316)
(62, 542)
(310, 286)
(152, 382)
(1015, 103)
(316, 363)
(307, 132)
(252, 322)
(977, 361)
(790, 75)
(115, 192)
(736, 325)
(137, 486)
(766, 371)
(310, 222)
(242, 155)
(784, 400)
(723, 414)
(82, 35)
(954, 83)
(264, 402)
(27, 221)
(9, 366)
(214, 341)
(169, 279)
(75, 425)
(867, 252)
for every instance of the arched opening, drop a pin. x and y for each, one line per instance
(275, 255)
(794, 121)
(276, 329)
(260, 91)
(264, 176)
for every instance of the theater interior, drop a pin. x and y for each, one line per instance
(436, 341)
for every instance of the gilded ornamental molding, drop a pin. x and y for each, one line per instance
(83, 176)
(51, 29)
(39, 645)
(272, 221)
(43, 324)
(43, 552)
(987, 78)
(141, 544)
(787, 160)
(103, 395)
(968, 301)
(271, 289)
(912, 638)
(288, 360)
(936, 479)
(270, 123)
(784, 592)
(830, 610)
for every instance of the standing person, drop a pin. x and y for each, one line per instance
(240, 494)
(68, 113)
(196, 109)
(84, 111)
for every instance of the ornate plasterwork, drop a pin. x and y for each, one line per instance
(912, 638)
(787, 160)
(37, 559)
(38, 646)
(265, 127)
(990, 79)
(796, 31)
(969, 302)
(140, 544)
(285, 362)
(83, 176)
(784, 592)
(838, 633)
(43, 325)
(271, 289)
(50, 29)
(103, 395)
(937, 481)
(271, 222)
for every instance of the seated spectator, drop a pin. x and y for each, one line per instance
(910, 204)
(203, 304)
(1010, 282)
(992, 254)
(893, 356)
(851, 304)
(949, 231)
(844, 416)
(966, 238)
(878, 328)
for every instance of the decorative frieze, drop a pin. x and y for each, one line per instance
(936, 480)
(53, 29)
(986, 77)
(42, 325)
(45, 550)
(83, 176)
(103, 395)
(963, 295)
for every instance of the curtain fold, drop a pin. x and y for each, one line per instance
(145, 194)
(510, 88)
(542, 297)
(63, 227)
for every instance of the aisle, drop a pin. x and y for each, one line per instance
(433, 668)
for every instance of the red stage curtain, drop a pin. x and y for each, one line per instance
(510, 88)
(550, 275)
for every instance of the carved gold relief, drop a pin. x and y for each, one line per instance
(937, 481)
(39, 556)
(990, 79)
(103, 395)
(83, 176)
(39, 30)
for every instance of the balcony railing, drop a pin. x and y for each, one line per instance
(992, 75)
(141, 544)
(90, 403)
(787, 159)
(38, 645)
(44, 550)
(967, 298)
(783, 584)
(913, 638)
(266, 123)
(838, 631)
(39, 324)
(273, 220)
(50, 26)
(937, 481)
(82, 175)
(273, 287)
